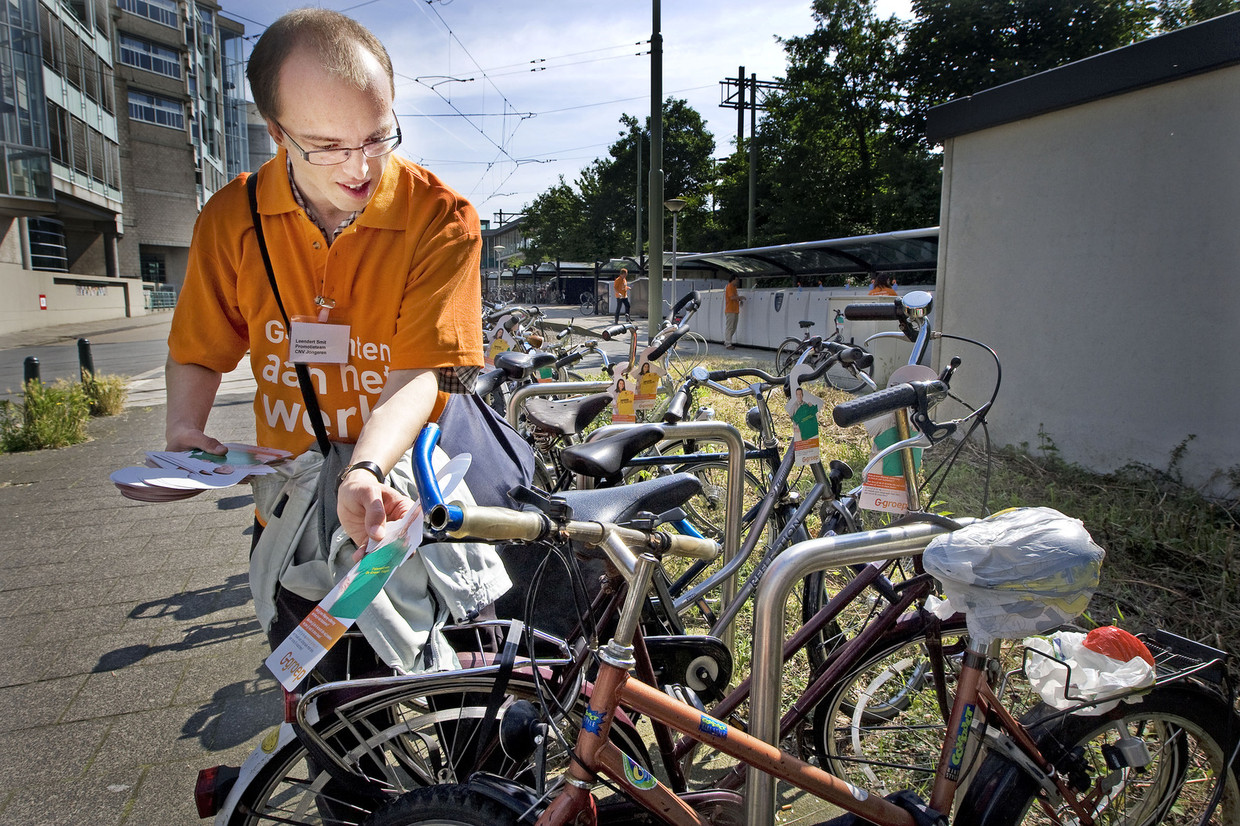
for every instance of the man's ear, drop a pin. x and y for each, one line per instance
(277, 134)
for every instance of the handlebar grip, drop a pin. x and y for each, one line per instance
(874, 405)
(678, 407)
(694, 547)
(880, 311)
(569, 360)
(489, 523)
(691, 298)
(563, 334)
(666, 344)
(615, 330)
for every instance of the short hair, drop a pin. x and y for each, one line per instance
(337, 39)
(624, 270)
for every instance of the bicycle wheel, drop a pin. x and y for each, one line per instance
(1189, 732)
(444, 806)
(586, 304)
(688, 352)
(425, 736)
(786, 355)
(882, 727)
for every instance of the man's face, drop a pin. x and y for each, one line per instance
(320, 111)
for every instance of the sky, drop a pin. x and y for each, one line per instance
(501, 99)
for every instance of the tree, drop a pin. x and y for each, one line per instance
(957, 48)
(603, 203)
(831, 161)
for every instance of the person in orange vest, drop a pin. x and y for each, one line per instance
(882, 285)
(732, 301)
(621, 286)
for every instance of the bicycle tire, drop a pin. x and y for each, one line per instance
(586, 303)
(881, 728)
(1189, 732)
(448, 805)
(786, 355)
(411, 740)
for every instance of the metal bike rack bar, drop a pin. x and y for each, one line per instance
(550, 388)
(786, 573)
(735, 500)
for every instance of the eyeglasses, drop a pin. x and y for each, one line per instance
(332, 157)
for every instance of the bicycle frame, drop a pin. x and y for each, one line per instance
(766, 762)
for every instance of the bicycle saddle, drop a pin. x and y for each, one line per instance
(566, 416)
(623, 503)
(520, 365)
(604, 458)
(805, 325)
(488, 382)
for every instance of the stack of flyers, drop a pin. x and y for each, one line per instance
(170, 475)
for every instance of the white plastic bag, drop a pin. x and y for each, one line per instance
(1088, 675)
(1022, 571)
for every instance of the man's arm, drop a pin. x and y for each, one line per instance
(191, 390)
(362, 503)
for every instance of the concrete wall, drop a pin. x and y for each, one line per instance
(70, 298)
(1096, 248)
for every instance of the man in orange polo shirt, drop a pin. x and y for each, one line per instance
(373, 252)
(732, 301)
(621, 287)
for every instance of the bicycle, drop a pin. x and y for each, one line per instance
(851, 377)
(1152, 757)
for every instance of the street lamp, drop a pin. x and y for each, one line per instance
(496, 249)
(675, 205)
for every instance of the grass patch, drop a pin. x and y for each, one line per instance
(49, 415)
(107, 394)
(55, 415)
(1171, 552)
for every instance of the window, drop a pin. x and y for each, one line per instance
(149, 56)
(161, 11)
(153, 267)
(155, 109)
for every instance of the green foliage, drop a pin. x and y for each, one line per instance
(49, 415)
(595, 218)
(107, 394)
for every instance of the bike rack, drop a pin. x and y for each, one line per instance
(550, 388)
(735, 499)
(766, 666)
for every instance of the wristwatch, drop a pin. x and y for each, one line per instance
(369, 467)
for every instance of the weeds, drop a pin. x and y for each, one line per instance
(50, 415)
(55, 415)
(107, 394)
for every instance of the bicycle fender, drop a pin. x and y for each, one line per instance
(269, 747)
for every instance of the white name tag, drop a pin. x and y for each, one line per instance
(311, 342)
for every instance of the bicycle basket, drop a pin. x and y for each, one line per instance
(1022, 571)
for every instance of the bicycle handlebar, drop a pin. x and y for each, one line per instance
(503, 524)
(889, 400)
(667, 342)
(617, 330)
(693, 298)
(880, 311)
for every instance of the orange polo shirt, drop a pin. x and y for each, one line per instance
(404, 276)
(731, 299)
(621, 286)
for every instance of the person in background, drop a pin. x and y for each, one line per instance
(882, 285)
(621, 286)
(732, 301)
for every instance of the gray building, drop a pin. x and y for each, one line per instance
(118, 120)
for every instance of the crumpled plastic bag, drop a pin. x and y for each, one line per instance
(1089, 675)
(1022, 571)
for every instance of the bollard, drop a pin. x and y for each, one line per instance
(85, 359)
(31, 370)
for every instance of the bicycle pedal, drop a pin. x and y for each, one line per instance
(685, 695)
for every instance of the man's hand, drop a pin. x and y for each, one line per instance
(365, 506)
(191, 392)
(191, 438)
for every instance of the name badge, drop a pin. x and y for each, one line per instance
(312, 342)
